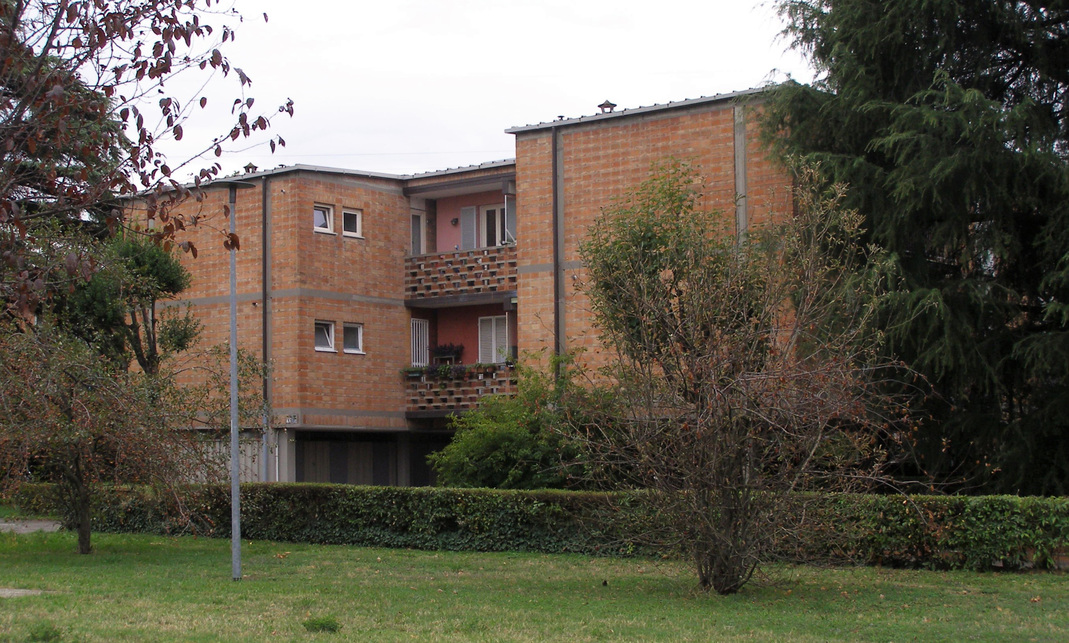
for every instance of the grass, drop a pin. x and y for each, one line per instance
(151, 588)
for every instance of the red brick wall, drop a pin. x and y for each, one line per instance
(604, 159)
(314, 276)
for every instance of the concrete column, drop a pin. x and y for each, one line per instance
(287, 455)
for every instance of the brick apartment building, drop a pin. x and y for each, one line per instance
(351, 283)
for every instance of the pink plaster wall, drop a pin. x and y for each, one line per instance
(461, 326)
(448, 208)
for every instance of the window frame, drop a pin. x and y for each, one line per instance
(418, 222)
(329, 209)
(500, 217)
(331, 344)
(502, 352)
(359, 233)
(359, 328)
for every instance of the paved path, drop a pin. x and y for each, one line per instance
(28, 526)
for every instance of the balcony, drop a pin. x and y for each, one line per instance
(438, 391)
(461, 277)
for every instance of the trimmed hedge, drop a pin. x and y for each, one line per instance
(937, 532)
(416, 517)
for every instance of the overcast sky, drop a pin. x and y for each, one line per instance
(403, 86)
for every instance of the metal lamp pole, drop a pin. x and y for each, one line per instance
(235, 452)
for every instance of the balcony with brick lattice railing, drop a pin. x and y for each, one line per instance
(438, 391)
(461, 274)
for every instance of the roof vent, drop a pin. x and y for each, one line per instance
(607, 107)
(250, 168)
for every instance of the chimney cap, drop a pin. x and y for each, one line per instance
(250, 168)
(607, 106)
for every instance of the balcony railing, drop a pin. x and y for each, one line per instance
(461, 272)
(455, 388)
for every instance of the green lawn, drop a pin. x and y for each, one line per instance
(150, 588)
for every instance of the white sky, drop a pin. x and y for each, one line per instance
(403, 86)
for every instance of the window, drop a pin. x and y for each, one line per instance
(487, 226)
(324, 336)
(353, 338)
(493, 339)
(323, 218)
(352, 222)
(421, 333)
(492, 228)
(417, 234)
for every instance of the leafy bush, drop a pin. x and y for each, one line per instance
(935, 532)
(520, 441)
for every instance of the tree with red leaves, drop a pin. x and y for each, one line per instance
(84, 108)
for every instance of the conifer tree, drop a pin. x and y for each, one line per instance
(950, 124)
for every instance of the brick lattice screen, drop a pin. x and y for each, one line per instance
(427, 393)
(461, 272)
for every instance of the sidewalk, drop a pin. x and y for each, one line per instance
(28, 526)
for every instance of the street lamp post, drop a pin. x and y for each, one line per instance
(235, 451)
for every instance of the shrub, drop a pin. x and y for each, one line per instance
(520, 441)
(935, 532)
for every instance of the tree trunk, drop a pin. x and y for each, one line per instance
(81, 517)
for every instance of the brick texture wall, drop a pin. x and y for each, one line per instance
(313, 276)
(601, 161)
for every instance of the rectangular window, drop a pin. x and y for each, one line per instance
(418, 246)
(487, 226)
(352, 223)
(421, 334)
(492, 226)
(493, 339)
(353, 338)
(323, 218)
(324, 331)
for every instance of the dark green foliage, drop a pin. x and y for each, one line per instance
(950, 124)
(936, 532)
(116, 310)
(518, 442)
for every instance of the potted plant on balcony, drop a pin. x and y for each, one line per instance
(450, 352)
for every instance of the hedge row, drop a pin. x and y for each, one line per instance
(938, 532)
(415, 517)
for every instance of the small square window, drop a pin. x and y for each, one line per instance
(323, 218)
(353, 338)
(352, 223)
(324, 332)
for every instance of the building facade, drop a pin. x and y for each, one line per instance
(385, 303)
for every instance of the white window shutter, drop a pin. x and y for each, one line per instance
(420, 342)
(468, 228)
(493, 339)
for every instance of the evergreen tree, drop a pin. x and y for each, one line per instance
(116, 310)
(950, 123)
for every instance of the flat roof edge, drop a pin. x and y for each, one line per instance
(636, 111)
